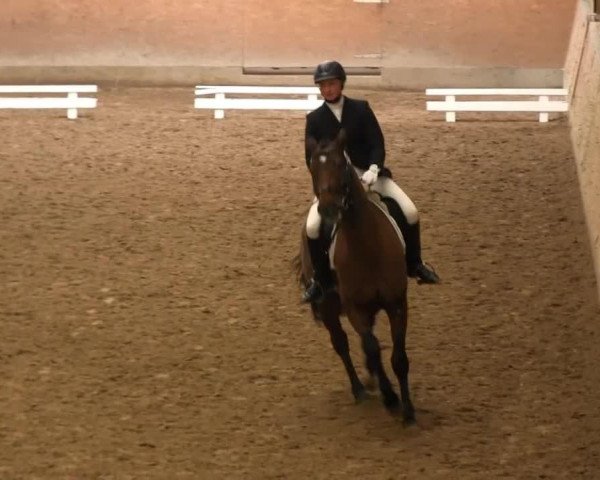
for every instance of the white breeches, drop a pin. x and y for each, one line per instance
(386, 187)
(313, 221)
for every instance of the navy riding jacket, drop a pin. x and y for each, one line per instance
(364, 145)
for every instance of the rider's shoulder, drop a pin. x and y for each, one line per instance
(357, 103)
(316, 113)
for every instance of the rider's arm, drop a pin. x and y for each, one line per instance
(310, 131)
(374, 136)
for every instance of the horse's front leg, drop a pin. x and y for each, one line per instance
(398, 316)
(330, 314)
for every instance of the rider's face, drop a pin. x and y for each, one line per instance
(331, 89)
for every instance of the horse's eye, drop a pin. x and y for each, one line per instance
(322, 158)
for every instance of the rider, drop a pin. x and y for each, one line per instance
(366, 151)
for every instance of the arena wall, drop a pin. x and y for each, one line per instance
(408, 43)
(582, 72)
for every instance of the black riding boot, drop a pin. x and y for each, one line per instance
(416, 267)
(322, 277)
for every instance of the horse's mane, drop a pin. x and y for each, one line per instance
(356, 187)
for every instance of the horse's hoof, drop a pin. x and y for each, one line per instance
(391, 402)
(409, 418)
(360, 396)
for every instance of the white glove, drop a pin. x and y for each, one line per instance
(370, 176)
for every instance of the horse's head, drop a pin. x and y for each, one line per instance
(330, 173)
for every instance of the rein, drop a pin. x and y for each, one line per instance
(346, 199)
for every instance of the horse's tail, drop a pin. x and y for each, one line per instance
(297, 268)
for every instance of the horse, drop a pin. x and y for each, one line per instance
(368, 259)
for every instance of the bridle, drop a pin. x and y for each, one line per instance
(346, 184)
(346, 188)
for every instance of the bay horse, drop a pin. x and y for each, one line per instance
(368, 258)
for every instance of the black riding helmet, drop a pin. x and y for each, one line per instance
(329, 70)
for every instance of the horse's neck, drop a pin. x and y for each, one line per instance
(356, 217)
(357, 191)
(366, 234)
(364, 226)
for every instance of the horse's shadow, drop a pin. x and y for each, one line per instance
(368, 410)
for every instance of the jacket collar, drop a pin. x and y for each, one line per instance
(344, 102)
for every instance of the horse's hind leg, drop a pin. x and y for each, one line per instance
(372, 351)
(363, 324)
(331, 319)
(398, 324)
(371, 382)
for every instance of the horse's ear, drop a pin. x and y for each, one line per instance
(341, 138)
(310, 144)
